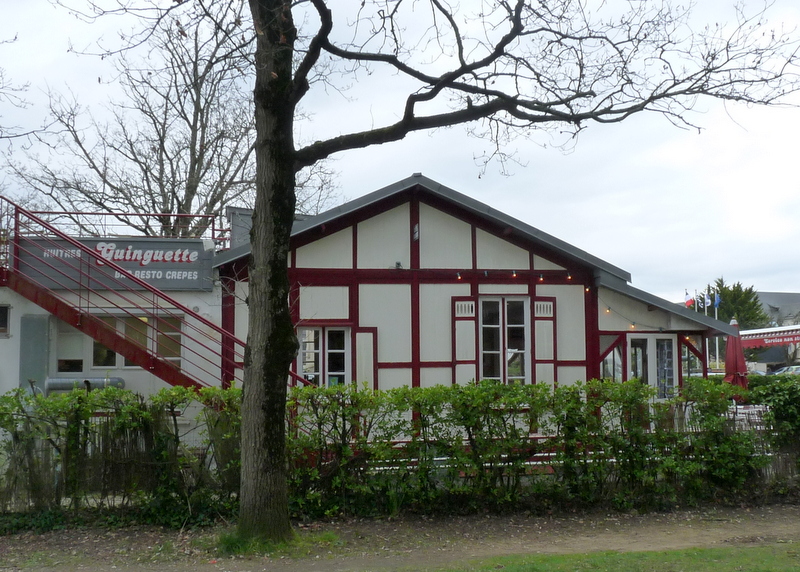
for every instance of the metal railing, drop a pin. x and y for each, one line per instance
(93, 293)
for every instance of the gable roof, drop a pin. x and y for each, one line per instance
(605, 274)
(516, 227)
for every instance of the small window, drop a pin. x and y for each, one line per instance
(101, 355)
(168, 340)
(69, 352)
(5, 318)
(310, 348)
(324, 355)
(136, 332)
(336, 358)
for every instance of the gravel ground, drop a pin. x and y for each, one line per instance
(407, 543)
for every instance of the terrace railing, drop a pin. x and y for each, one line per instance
(91, 293)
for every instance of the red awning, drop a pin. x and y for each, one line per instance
(769, 337)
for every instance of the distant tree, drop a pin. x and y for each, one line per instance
(11, 94)
(741, 303)
(180, 140)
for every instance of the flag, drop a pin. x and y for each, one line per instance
(707, 300)
(717, 299)
(698, 300)
(689, 301)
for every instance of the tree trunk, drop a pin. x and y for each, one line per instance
(271, 343)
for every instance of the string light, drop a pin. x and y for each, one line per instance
(569, 276)
(632, 323)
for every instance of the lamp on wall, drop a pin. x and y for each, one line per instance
(513, 273)
(458, 275)
(541, 277)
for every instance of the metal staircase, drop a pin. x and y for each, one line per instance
(91, 293)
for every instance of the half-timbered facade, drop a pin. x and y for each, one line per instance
(417, 285)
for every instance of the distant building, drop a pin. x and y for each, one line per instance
(783, 308)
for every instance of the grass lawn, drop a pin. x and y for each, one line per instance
(778, 557)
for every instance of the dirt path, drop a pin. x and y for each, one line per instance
(405, 544)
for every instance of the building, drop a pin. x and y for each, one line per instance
(412, 285)
(416, 285)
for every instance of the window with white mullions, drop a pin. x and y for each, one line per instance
(310, 364)
(652, 360)
(336, 362)
(324, 355)
(505, 340)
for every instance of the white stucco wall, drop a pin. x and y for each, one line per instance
(568, 375)
(10, 344)
(570, 319)
(445, 241)
(494, 252)
(324, 302)
(383, 240)
(334, 251)
(392, 378)
(540, 263)
(435, 320)
(433, 376)
(388, 307)
(616, 312)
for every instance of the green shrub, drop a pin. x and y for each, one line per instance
(355, 451)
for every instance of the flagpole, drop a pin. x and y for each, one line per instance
(716, 317)
(706, 349)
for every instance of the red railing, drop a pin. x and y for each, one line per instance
(163, 225)
(91, 293)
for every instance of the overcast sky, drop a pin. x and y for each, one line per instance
(677, 209)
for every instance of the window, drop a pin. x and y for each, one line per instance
(505, 340)
(135, 330)
(159, 335)
(69, 349)
(324, 355)
(5, 318)
(612, 365)
(101, 355)
(652, 360)
(665, 368)
(168, 340)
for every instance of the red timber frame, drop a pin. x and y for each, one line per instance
(415, 276)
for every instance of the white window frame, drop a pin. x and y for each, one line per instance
(315, 372)
(653, 368)
(504, 352)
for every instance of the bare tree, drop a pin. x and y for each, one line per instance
(508, 68)
(11, 94)
(179, 142)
